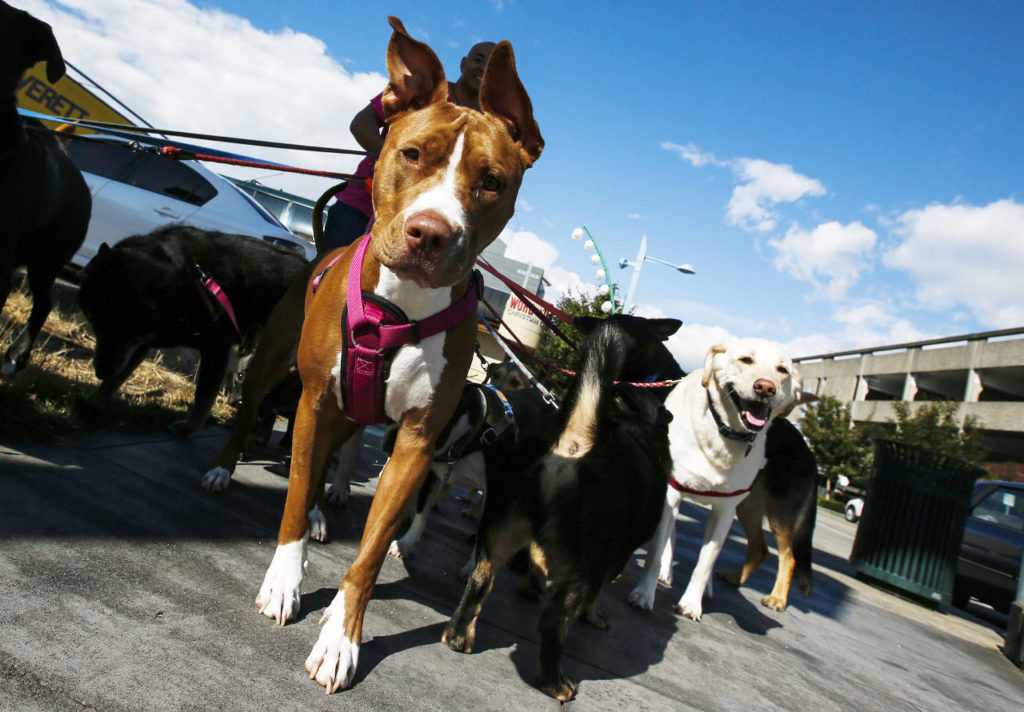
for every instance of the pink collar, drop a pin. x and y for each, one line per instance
(374, 329)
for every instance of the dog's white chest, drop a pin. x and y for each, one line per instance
(701, 458)
(416, 368)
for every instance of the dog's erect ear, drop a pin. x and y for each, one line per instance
(416, 75)
(709, 361)
(585, 324)
(42, 45)
(664, 328)
(503, 95)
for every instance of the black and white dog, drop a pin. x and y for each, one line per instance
(44, 202)
(582, 490)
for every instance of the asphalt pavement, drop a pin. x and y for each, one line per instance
(125, 586)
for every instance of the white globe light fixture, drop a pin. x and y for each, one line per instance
(597, 259)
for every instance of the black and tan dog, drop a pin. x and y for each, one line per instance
(151, 291)
(582, 490)
(785, 492)
(44, 201)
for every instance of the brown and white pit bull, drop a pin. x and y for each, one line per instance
(444, 187)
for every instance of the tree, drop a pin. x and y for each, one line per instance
(934, 425)
(554, 350)
(838, 447)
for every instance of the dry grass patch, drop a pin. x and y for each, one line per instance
(53, 396)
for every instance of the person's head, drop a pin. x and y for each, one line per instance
(473, 64)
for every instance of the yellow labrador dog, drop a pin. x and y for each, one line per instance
(720, 416)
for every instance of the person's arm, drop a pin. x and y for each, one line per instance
(366, 126)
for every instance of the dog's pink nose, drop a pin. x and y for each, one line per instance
(428, 231)
(764, 388)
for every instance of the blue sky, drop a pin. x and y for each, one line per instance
(840, 175)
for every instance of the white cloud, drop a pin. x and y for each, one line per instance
(563, 282)
(763, 186)
(634, 216)
(521, 204)
(965, 255)
(208, 71)
(831, 256)
(527, 247)
(862, 325)
(691, 343)
(691, 153)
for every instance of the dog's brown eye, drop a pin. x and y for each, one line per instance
(783, 370)
(411, 154)
(492, 184)
(746, 359)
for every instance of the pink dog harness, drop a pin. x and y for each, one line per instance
(374, 329)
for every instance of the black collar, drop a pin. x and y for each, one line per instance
(747, 437)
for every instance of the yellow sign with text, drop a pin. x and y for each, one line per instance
(66, 98)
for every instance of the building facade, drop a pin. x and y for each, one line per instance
(982, 372)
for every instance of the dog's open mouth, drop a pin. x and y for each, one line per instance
(753, 412)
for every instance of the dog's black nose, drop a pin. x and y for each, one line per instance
(764, 388)
(428, 231)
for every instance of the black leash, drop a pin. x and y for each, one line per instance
(747, 437)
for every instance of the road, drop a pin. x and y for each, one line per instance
(125, 586)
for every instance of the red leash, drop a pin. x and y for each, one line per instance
(529, 300)
(179, 154)
(704, 493)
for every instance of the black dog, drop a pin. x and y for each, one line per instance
(151, 291)
(44, 201)
(582, 490)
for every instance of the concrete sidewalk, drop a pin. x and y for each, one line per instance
(124, 585)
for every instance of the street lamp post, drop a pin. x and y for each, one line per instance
(603, 273)
(641, 257)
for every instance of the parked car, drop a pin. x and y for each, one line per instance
(293, 211)
(854, 509)
(993, 543)
(135, 192)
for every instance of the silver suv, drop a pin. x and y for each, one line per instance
(135, 192)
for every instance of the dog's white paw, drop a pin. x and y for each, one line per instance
(334, 658)
(337, 495)
(642, 596)
(690, 608)
(665, 578)
(397, 549)
(280, 594)
(317, 525)
(216, 480)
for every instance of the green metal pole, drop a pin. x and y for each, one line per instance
(604, 266)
